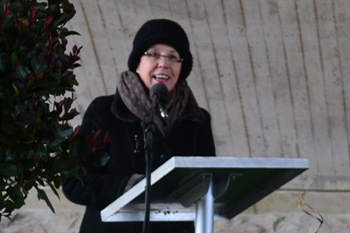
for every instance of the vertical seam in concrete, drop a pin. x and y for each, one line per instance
(150, 6)
(238, 86)
(212, 45)
(198, 60)
(304, 65)
(170, 11)
(235, 74)
(288, 78)
(306, 76)
(105, 27)
(341, 73)
(323, 79)
(254, 78)
(94, 46)
(269, 67)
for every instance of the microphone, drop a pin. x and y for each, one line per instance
(162, 93)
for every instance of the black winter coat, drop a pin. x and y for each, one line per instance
(104, 185)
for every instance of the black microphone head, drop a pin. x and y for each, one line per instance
(161, 91)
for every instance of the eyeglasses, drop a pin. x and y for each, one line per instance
(172, 58)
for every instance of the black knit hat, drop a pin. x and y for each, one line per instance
(161, 31)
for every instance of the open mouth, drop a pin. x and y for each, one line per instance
(161, 77)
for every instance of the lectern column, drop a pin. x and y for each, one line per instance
(205, 212)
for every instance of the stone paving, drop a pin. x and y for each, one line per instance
(277, 213)
(44, 221)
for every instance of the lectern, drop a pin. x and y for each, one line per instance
(205, 189)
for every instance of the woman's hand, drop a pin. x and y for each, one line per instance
(134, 179)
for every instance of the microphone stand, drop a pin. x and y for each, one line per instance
(149, 130)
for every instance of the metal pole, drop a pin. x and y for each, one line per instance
(205, 212)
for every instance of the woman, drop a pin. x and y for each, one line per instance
(160, 54)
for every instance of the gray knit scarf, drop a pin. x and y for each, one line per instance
(132, 93)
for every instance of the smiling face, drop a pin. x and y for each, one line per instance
(160, 69)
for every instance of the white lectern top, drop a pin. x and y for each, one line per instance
(238, 183)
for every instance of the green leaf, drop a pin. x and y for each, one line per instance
(15, 89)
(42, 196)
(62, 20)
(35, 64)
(104, 159)
(10, 155)
(26, 119)
(14, 58)
(8, 22)
(2, 183)
(65, 132)
(29, 185)
(65, 32)
(55, 148)
(2, 63)
(23, 72)
(10, 170)
(28, 163)
(16, 7)
(54, 187)
(9, 128)
(26, 139)
(77, 146)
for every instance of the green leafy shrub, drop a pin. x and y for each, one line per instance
(36, 95)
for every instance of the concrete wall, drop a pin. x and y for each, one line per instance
(274, 75)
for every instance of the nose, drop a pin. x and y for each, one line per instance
(163, 61)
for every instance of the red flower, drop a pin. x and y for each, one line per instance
(7, 10)
(33, 15)
(48, 21)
